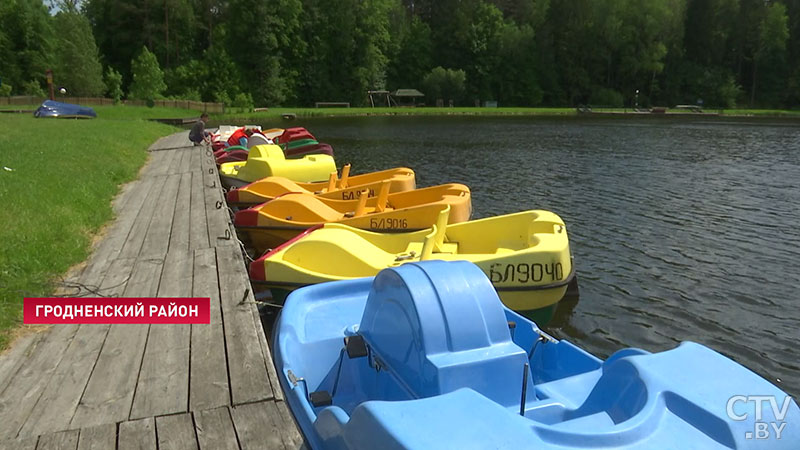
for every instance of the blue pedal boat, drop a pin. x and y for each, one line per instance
(50, 108)
(425, 356)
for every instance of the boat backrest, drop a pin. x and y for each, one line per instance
(272, 133)
(342, 183)
(434, 241)
(271, 152)
(383, 196)
(439, 326)
(361, 206)
(257, 139)
(441, 228)
(261, 162)
(331, 182)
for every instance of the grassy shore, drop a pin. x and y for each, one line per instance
(123, 112)
(273, 113)
(57, 180)
(240, 116)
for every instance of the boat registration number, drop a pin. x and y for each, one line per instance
(525, 273)
(354, 195)
(388, 223)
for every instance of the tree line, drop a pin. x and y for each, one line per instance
(718, 53)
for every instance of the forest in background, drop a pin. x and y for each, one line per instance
(717, 53)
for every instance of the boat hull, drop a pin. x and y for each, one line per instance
(269, 160)
(424, 356)
(270, 224)
(530, 280)
(401, 179)
(61, 110)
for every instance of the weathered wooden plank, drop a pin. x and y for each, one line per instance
(272, 373)
(208, 162)
(19, 444)
(198, 228)
(177, 162)
(120, 359)
(100, 437)
(176, 432)
(220, 230)
(163, 385)
(155, 160)
(179, 237)
(137, 435)
(156, 241)
(290, 429)
(163, 167)
(21, 394)
(145, 278)
(258, 426)
(109, 249)
(134, 196)
(209, 386)
(194, 163)
(215, 429)
(132, 244)
(179, 139)
(124, 194)
(248, 363)
(63, 440)
(186, 161)
(18, 353)
(60, 399)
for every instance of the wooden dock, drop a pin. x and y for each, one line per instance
(154, 386)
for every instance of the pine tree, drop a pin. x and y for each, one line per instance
(77, 65)
(148, 79)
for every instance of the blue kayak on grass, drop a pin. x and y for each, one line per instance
(425, 356)
(51, 108)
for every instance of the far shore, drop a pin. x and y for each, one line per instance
(233, 115)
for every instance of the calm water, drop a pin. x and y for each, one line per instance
(681, 230)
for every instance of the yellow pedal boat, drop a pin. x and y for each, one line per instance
(268, 160)
(526, 256)
(346, 187)
(272, 223)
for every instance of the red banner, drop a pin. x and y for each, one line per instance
(60, 310)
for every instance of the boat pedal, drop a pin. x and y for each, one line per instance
(356, 346)
(320, 398)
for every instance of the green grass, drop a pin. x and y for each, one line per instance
(57, 195)
(234, 116)
(761, 112)
(123, 112)
(421, 111)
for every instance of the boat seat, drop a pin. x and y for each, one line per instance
(416, 247)
(257, 139)
(357, 255)
(302, 208)
(460, 332)
(412, 248)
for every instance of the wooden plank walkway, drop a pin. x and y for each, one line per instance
(200, 387)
